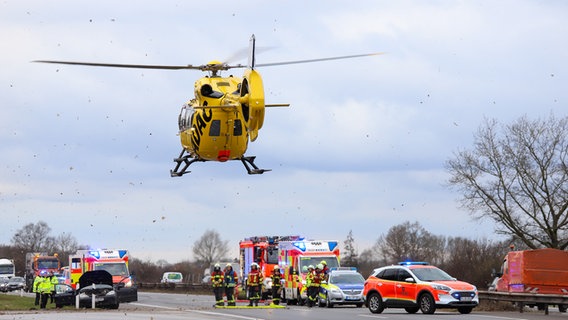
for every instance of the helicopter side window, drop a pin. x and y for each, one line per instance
(207, 91)
(237, 127)
(215, 129)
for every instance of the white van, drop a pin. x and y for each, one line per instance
(172, 277)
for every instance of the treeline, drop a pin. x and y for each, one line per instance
(471, 260)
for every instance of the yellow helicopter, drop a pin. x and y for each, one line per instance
(225, 114)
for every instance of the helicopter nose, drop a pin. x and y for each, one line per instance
(223, 155)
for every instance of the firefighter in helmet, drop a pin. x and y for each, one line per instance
(254, 283)
(218, 284)
(276, 285)
(231, 281)
(313, 286)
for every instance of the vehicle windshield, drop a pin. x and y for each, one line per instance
(115, 269)
(306, 261)
(48, 264)
(6, 269)
(352, 278)
(431, 274)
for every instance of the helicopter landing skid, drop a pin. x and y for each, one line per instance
(186, 160)
(248, 162)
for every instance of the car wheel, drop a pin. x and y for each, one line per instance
(328, 303)
(375, 303)
(562, 308)
(465, 310)
(411, 310)
(427, 304)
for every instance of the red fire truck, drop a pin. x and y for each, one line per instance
(264, 251)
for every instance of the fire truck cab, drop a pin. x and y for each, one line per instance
(262, 250)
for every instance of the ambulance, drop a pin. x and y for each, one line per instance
(294, 257)
(115, 261)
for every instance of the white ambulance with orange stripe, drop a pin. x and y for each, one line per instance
(294, 257)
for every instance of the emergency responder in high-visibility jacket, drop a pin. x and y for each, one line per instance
(45, 290)
(218, 283)
(53, 280)
(313, 282)
(231, 281)
(276, 285)
(254, 283)
(35, 288)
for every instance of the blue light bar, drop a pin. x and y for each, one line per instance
(413, 263)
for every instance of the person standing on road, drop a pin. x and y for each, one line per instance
(254, 282)
(45, 290)
(276, 285)
(53, 280)
(35, 288)
(231, 281)
(313, 286)
(217, 281)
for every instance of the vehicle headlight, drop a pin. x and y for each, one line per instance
(440, 287)
(335, 291)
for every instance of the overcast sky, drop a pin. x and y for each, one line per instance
(362, 146)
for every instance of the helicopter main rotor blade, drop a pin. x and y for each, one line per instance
(318, 60)
(205, 67)
(119, 65)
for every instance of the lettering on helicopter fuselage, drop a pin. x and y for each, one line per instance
(200, 122)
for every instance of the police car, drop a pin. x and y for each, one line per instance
(344, 286)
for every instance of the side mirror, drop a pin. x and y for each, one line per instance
(409, 279)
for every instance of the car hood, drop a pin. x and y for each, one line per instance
(349, 286)
(457, 285)
(96, 277)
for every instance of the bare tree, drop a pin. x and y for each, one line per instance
(33, 237)
(473, 260)
(210, 248)
(350, 252)
(66, 245)
(410, 241)
(517, 175)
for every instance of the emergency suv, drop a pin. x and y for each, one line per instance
(417, 286)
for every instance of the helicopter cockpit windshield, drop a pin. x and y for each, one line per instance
(207, 91)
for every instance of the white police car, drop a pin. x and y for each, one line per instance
(344, 286)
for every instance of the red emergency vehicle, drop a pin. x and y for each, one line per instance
(264, 251)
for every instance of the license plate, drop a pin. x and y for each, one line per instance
(351, 298)
(99, 299)
(466, 298)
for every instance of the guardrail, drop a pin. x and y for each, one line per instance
(176, 287)
(522, 299)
